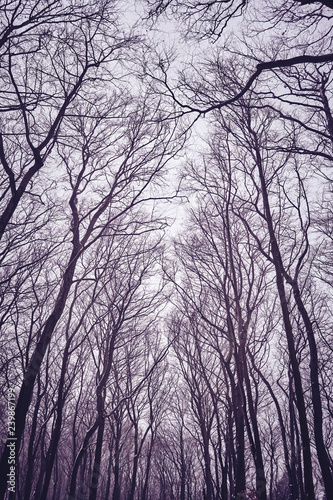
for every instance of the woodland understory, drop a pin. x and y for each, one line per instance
(166, 229)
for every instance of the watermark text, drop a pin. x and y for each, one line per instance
(11, 440)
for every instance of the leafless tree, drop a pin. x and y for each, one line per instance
(118, 158)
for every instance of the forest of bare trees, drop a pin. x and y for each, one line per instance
(166, 250)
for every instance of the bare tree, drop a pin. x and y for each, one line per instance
(113, 168)
(225, 283)
(51, 54)
(257, 62)
(290, 272)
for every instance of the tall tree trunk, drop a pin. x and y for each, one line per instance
(323, 457)
(116, 487)
(144, 495)
(55, 437)
(97, 461)
(78, 459)
(31, 452)
(240, 483)
(42, 470)
(296, 456)
(135, 463)
(33, 369)
(108, 484)
(261, 484)
(277, 261)
(291, 477)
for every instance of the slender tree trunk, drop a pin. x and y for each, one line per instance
(277, 261)
(323, 457)
(31, 453)
(27, 387)
(241, 367)
(144, 495)
(261, 484)
(78, 460)
(296, 456)
(57, 484)
(97, 461)
(108, 484)
(237, 486)
(291, 477)
(135, 463)
(222, 491)
(116, 488)
(53, 446)
(230, 452)
(41, 471)
(240, 444)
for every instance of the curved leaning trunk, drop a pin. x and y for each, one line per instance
(78, 460)
(27, 386)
